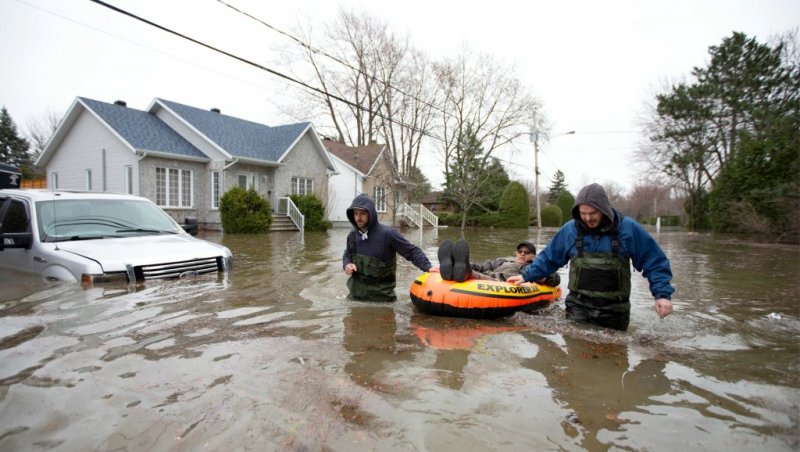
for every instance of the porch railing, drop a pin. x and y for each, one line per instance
(287, 207)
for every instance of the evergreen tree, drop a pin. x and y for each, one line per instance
(13, 147)
(556, 187)
(565, 202)
(716, 133)
(468, 179)
(422, 186)
(514, 209)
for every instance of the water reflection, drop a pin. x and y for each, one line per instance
(597, 385)
(454, 340)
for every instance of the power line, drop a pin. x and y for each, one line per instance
(334, 58)
(257, 65)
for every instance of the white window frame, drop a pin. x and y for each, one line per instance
(302, 185)
(379, 196)
(215, 189)
(250, 181)
(174, 187)
(128, 179)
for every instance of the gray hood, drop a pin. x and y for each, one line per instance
(593, 195)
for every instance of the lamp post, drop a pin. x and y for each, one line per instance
(535, 139)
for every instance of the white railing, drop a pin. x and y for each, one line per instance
(429, 216)
(287, 207)
(417, 214)
(411, 216)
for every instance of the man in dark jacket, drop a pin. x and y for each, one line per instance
(600, 244)
(370, 257)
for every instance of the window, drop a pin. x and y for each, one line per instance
(302, 186)
(248, 181)
(379, 195)
(174, 187)
(88, 174)
(16, 219)
(215, 189)
(129, 179)
(54, 180)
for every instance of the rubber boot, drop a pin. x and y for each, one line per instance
(461, 267)
(446, 260)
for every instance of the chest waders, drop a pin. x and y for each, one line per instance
(374, 280)
(600, 286)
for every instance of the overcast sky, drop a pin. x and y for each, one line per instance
(593, 65)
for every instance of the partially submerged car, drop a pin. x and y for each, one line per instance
(93, 238)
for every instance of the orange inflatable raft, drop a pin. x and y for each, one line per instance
(477, 298)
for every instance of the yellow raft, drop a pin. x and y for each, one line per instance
(477, 298)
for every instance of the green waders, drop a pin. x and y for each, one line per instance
(600, 287)
(374, 280)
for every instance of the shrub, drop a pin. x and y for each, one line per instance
(314, 212)
(551, 216)
(565, 202)
(513, 212)
(244, 212)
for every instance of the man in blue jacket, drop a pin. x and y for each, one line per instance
(600, 244)
(370, 257)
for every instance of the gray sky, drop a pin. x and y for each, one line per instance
(592, 64)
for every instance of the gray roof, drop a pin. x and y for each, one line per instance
(142, 130)
(239, 137)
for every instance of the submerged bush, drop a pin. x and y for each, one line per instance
(244, 212)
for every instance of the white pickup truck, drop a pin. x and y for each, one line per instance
(96, 238)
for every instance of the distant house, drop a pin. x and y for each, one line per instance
(433, 201)
(365, 169)
(181, 157)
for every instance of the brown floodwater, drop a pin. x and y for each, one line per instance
(274, 357)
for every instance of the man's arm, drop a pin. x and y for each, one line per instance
(409, 251)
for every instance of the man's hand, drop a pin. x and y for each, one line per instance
(433, 270)
(516, 280)
(663, 307)
(349, 269)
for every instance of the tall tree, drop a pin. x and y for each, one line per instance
(13, 147)
(558, 185)
(697, 128)
(374, 87)
(480, 94)
(468, 179)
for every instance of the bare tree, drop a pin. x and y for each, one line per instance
(40, 130)
(480, 92)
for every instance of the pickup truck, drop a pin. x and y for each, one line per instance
(94, 238)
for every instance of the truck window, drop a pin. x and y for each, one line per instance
(16, 219)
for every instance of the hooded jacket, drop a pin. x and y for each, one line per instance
(635, 243)
(380, 241)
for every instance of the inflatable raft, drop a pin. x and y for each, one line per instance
(477, 298)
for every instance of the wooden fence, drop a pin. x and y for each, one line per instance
(33, 183)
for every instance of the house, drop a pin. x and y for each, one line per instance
(365, 169)
(183, 158)
(433, 201)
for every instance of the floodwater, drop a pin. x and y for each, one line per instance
(274, 357)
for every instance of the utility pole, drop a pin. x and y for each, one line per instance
(535, 136)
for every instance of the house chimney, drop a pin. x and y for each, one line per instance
(121, 103)
(215, 110)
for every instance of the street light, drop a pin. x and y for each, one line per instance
(535, 139)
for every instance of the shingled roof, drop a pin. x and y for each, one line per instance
(142, 130)
(239, 137)
(362, 158)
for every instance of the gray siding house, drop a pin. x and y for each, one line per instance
(181, 157)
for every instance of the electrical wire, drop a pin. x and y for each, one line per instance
(259, 66)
